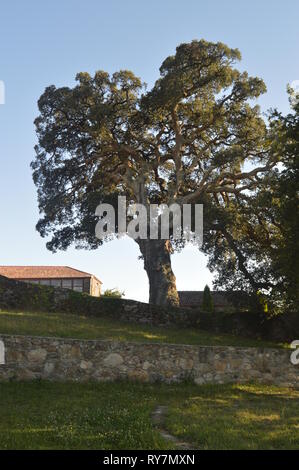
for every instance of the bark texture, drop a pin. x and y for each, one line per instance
(157, 263)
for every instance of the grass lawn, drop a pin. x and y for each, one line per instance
(45, 415)
(238, 417)
(74, 326)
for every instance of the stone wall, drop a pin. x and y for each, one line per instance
(28, 358)
(19, 295)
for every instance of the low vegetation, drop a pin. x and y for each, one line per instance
(45, 415)
(77, 326)
(237, 417)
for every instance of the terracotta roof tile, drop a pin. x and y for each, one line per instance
(42, 272)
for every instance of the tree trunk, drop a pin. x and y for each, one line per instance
(157, 263)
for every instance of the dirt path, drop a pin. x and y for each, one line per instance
(158, 418)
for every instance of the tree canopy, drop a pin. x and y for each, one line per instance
(255, 245)
(194, 137)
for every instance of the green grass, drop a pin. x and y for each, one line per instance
(75, 326)
(238, 417)
(45, 415)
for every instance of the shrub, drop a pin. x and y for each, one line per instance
(207, 301)
(113, 293)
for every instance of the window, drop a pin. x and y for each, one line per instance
(78, 289)
(67, 283)
(78, 283)
(56, 282)
(45, 282)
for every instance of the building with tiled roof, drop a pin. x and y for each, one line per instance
(223, 301)
(194, 299)
(56, 276)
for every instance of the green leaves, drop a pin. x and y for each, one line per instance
(185, 140)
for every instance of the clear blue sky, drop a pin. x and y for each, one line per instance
(43, 43)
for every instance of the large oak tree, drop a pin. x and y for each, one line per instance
(186, 140)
